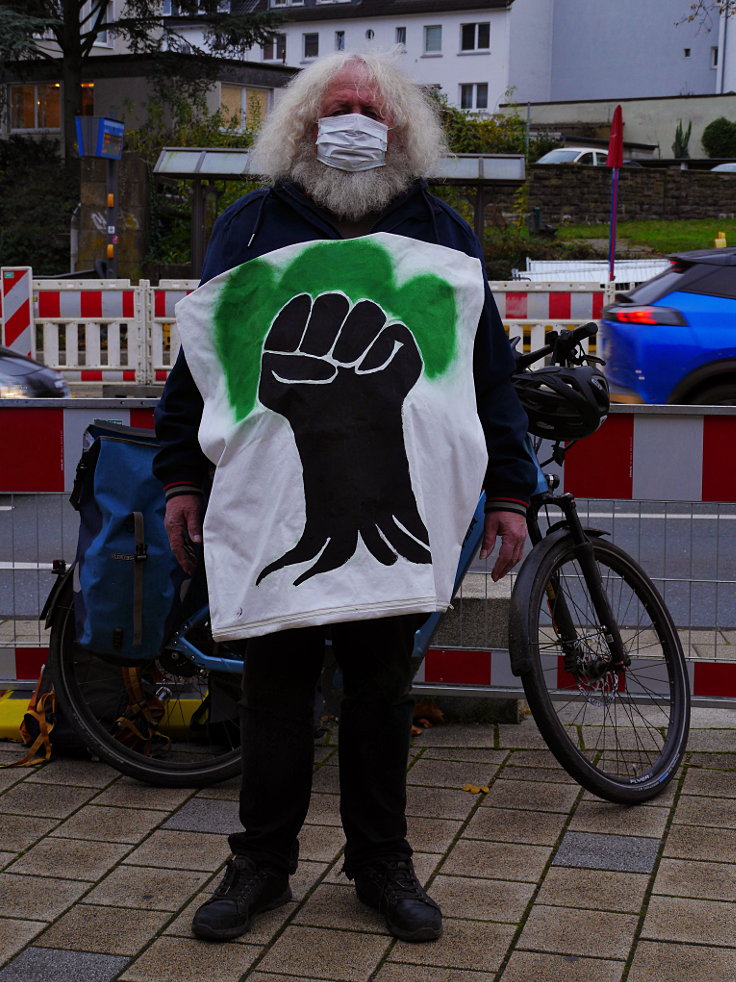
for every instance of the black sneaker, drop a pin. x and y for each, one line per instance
(391, 887)
(246, 889)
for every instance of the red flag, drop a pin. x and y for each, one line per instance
(616, 141)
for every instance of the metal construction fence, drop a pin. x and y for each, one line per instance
(628, 273)
(661, 480)
(95, 331)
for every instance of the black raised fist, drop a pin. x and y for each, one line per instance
(339, 375)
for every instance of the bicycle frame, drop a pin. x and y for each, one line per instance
(583, 551)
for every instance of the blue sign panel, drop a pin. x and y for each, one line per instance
(98, 136)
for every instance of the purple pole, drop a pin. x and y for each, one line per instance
(614, 210)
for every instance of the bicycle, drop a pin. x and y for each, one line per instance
(598, 654)
(597, 651)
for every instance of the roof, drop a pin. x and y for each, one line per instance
(381, 8)
(133, 66)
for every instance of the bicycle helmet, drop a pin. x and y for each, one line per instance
(563, 403)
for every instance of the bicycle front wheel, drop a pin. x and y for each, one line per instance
(164, 722)
(620, 733)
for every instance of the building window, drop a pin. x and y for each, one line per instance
(38, 107)
(475, 37)
(275, 49)
(686, 52)
(35, 107)
(339, 40)
(287, 3)
(433, 40)
(400, 37)
(311, 45)
(173, 9)
(88, 98)
(87, 18)
(243, 106)
(714, 57)
(474, 95)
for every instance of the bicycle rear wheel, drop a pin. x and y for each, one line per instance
(164, 721)
(621, 735)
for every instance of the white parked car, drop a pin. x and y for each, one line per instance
(575, 155)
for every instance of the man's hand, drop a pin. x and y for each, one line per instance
(183, 524)
(512, 528)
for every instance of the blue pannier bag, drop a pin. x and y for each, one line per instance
(126, 578)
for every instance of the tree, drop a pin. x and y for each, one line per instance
(719, 138)
(66, 30)
(681, 146)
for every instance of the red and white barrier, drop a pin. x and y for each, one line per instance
(657, 453)
(92, 330)
(549, 303)
(164, 336)
(492, 669)
(111, 331)
(640, 453)
(16, 312)
(82, 303)
(44, 442)
(637, 453)
(528, 310)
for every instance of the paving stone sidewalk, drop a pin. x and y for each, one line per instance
(538, 880)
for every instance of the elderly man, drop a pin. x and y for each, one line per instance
(346, 372)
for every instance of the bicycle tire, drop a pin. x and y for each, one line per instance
(92, 692)
(621, 736)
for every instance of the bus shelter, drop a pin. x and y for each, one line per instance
(479, 173)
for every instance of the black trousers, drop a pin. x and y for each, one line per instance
(277, 727)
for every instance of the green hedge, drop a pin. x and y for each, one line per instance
(37, 197)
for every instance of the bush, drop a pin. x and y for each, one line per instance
(719, 138)
(184, 123)
(38, 194)
(469, 132)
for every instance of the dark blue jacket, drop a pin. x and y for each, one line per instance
(269, 219)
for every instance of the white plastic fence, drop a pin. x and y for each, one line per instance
(95, 331)
(91, 330)
(628, 273)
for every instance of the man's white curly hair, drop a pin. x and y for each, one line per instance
(416, 127)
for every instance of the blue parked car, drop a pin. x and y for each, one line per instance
(673, 339)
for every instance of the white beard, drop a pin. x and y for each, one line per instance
(351, 194)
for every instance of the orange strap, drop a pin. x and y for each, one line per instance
(137, 727)
(43, 710)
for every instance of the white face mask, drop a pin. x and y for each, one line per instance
(351, 142)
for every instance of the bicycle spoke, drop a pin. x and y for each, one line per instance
(165, 721)
(613, 729)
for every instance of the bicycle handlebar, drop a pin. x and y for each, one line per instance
(560, 344)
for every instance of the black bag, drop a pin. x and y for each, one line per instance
(44, 730)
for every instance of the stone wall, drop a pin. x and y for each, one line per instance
(580, 195)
